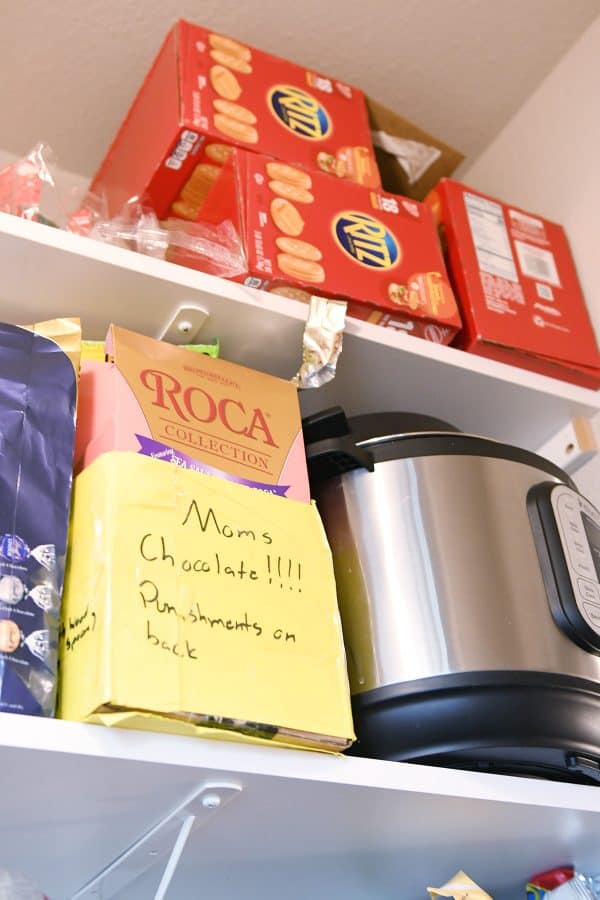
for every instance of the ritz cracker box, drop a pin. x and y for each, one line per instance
(206, 92)
(306, 233)
(192, 411)
(517, 286)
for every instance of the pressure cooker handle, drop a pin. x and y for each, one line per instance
(328, 423)
(336, 456)
(330, 447)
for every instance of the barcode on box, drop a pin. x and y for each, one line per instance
(544, 291)
(537, 263)
(253, 282)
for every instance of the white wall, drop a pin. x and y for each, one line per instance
(547, 160)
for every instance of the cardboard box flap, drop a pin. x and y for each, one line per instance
(430, 166)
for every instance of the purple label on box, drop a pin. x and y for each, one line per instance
(158, 450)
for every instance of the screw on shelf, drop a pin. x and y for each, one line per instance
(184, 325)
(211, 801)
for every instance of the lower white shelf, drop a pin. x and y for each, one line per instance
(303, 824)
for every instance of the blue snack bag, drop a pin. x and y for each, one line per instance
(38, 396)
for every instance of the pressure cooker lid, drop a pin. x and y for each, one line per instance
(371, 426)
(336, 444)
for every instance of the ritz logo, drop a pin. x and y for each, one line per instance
(299, 112)
(196, 403)
(366, 240)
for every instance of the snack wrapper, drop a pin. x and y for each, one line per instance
(460, 887)
(563, 882)
(540, 885)
(93, 351)
(38, 393)
(322, 342)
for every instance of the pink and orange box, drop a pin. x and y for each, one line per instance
(198, 413)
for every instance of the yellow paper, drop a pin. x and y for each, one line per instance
(187, 593)
(66, 333)
(92, 350)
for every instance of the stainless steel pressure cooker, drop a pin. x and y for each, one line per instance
(468, 576)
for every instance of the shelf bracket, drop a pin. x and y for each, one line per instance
(573, 446)
(165, 839)
(184, 325)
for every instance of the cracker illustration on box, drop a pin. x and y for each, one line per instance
(309, 234)
(207, 89)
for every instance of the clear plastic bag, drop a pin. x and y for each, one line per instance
(23, 183)
(214, 249)
(15, 887)
(31, 188)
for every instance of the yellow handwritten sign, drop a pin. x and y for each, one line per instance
(201, 602)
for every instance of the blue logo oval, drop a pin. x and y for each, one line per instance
(299, 112)
(366, 240)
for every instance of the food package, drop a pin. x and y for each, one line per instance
(38, 392)
(307, 232)
(563, 882)
(94, 350)
(541, 884)
(200, 606)
(460, 887)
(517, 287)
(206, 92)
(207, 414)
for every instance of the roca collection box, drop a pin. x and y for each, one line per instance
(191, 411)
(206, 92)
(306, 232)
(199, 606)
(516, 283)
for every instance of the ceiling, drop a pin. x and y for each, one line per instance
(459, 68)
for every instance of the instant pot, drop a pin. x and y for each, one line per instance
(468, 578)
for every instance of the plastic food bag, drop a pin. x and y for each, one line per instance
(23, 182)
(214, 249)
(576, 889)
(14, 887)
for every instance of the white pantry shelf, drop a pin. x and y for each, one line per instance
(45, 273)
(302, 825)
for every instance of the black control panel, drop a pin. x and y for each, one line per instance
(566, 528)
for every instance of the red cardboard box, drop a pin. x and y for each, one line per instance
(516, 283)
(306, 233)
(206, 92)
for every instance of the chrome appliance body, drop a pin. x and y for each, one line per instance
(469, 591)
(437, 571)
